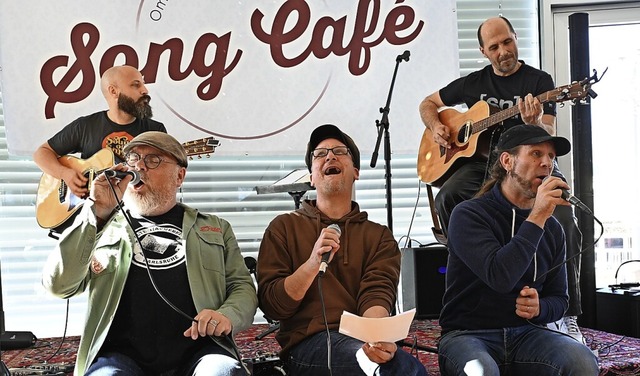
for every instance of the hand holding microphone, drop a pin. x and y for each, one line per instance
(135, 175)
(324, 262)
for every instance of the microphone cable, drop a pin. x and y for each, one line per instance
(127, 217)
(589, 247)
(326, 323)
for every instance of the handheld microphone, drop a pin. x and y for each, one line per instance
(324, 262)
(573, 200)
(122, 174)
(405, 56)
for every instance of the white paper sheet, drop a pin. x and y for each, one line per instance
(384, 329)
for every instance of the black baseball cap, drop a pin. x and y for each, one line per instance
(523, 134)
(331, 131)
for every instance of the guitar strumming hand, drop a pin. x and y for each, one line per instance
(75, 180)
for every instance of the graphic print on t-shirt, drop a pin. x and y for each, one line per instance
(116, 142)
(162, 245)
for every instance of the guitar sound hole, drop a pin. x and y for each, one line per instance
(462, 134)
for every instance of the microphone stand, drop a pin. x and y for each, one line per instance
(383, 127)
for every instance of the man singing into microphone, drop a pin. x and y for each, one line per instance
(506, 275)
(167, 285)
(361, 277)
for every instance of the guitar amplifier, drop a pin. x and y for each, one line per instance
(17, 340)
(422, 277)
(618, 311)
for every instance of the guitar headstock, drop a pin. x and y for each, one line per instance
(575, 91)
(205, 146)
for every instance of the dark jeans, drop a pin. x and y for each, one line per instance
(210, 361)
(524, 350)
(466, 182)
(309, 358)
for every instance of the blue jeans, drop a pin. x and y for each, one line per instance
(309, 358)
(210, 361)
(523, 350)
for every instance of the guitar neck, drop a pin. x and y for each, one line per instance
(505, 114)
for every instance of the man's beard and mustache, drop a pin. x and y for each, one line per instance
(154, 198)
(140, 109)
(508, 63)
(527, 187)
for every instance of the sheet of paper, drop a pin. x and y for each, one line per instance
(384, 329)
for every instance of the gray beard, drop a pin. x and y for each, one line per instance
(149, 203)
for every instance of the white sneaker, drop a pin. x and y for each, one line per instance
(558, 326)
(571, 323)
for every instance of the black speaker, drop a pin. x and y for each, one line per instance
(422, 274)
(17, 340)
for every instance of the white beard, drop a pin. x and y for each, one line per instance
(151, 202)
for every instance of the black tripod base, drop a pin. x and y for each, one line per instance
(4, 371)
(417, 347)
(272, 328)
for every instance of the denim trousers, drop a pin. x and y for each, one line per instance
(519, 351)
(467, 181)
(213, 360)
(309, 358)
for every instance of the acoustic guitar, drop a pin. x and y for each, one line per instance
(466, 129)
(55, 203)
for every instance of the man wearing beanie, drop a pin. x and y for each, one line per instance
(506, 277)
(361, 277)
(167, 284)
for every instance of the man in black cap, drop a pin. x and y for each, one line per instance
(361, 277)
(506, 276)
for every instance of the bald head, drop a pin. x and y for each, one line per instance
(494, 23)
(118, 76)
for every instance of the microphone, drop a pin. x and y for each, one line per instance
(123, 174)
(405, 56)
(324, 262)
(573, 200)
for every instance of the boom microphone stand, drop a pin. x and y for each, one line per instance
(383, 127)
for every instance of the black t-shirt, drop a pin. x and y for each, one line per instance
(145, 328)
(499, 91)
(88, 134)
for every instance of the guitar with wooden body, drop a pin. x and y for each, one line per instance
(55, 203)
(468, 139)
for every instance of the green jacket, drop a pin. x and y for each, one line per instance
(216, 270)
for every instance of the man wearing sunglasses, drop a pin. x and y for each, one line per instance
(167, 284)
(361, 277)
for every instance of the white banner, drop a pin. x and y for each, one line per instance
(258, 75)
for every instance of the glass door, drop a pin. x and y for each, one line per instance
(616, 133)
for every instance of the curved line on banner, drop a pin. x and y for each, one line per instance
(258, 136)
(138, 15)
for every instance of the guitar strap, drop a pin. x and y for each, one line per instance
(438, 232)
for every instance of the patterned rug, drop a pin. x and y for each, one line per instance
(617, 355)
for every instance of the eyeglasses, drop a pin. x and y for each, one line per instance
(150, 160)
(323, 152)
